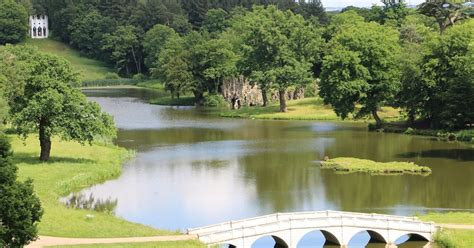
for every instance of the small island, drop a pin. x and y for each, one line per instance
(350, 165)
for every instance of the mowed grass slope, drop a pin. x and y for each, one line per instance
(72, 168)
(89, 69)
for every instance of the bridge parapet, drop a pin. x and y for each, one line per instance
(341, 226)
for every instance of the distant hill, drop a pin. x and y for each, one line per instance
(89, 69)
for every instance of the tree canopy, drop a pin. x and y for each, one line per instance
(20, 208)
(13, 22)
(49, 104)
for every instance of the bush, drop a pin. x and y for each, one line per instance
(465, 135)
(112, 75)
(215, 101)
(139, 76)
(311, 90)
(409, 131)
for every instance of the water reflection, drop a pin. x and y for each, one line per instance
(193, 169)
(84, 201)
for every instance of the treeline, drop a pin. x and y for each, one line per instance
(419, 60)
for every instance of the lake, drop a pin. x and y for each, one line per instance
(192, 168)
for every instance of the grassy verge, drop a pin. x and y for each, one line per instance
(348, 165)
(304, 109)
(465, 135)
(88, 69)
(74, 167)
(175, 244)
(451, 238)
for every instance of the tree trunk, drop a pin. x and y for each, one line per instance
(378, 121)
(45, 142)
(411, 118)
(264, 97)
(282, 94)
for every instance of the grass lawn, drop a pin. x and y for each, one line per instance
(348, 165)
(304, 109)
(451, 238)
(74, 167)
(175, 244)
(89, 69)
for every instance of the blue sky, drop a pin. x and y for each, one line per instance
(359, 3)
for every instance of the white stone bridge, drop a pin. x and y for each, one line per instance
(287, 229)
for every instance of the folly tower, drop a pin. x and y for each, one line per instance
(39, 27)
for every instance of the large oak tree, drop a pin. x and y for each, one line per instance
(49, 104)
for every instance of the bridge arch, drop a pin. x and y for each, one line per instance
(330, 239)
(411, 237)
(375, 237)
(279, 242)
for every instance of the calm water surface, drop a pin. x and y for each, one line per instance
(192, 169)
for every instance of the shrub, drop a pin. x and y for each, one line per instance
(139, 76)
(409, 131)
(112, 75)
(215, 101)
(465, 135)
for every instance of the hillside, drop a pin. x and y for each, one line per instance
(89, 69)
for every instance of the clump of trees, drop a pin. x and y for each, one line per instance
(13, 22)
(364, 58)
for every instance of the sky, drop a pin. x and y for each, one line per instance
(359, 3)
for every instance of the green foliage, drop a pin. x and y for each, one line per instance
(51, 106)
(216, 101)
(20, 209)
(153, 42)
(124, 45)
(361, 68)
(111, 75)
(449, 73)
(13, 22)
(278, 52)
(446, 13)
(216, 21)
(86, 33)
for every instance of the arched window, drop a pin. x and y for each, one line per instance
(40, 31)
(34, 31)
(44, 31)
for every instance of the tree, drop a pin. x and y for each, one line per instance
(87, 31)
(216, 21)
(12, 80)
(124, 46)
(279, 49)
(448, 71)
(310, 9)
(153, 42)
(218, 62)
(50, 106)
(446, 13)
(394, 11)
(196, 10)
(360, 69)
(174, 68)
(20, 208)
(13, 22)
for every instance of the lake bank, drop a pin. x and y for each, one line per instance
(72, 168)
(452, 238)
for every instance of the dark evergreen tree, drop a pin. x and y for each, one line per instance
(20, 208)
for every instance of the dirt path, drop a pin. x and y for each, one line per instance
(456, 226)
(45, 241)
